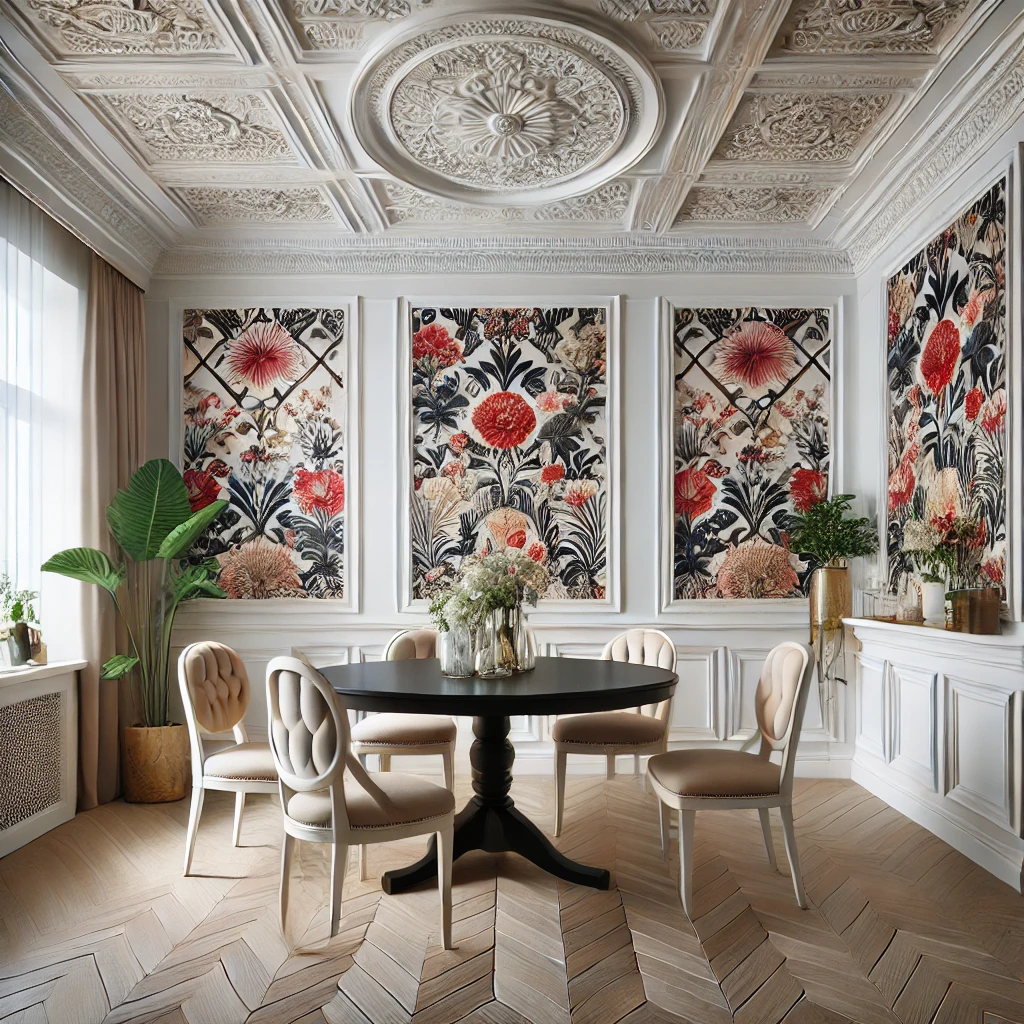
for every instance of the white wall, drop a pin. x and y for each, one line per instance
(720, 650)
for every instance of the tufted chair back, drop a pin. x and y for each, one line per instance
(308, 727)
(411, 645)
(780, 701)
(645, 647)
(214, 686)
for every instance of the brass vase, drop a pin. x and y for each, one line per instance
(976, 610)
(156, 764)
(831, 599)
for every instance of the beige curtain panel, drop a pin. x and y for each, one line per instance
(114, 436)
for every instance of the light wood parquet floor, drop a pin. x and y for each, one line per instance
(98, 924)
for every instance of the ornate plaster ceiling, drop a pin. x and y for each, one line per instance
(257, 119)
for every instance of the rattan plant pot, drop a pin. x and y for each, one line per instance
(155, 764)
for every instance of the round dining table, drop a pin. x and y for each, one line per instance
(491, 821)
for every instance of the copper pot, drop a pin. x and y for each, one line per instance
(831, 598)
(976, 610)
(156, 764)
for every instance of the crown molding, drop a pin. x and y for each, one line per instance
(587, 254)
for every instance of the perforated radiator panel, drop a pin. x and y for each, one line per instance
(30, 757)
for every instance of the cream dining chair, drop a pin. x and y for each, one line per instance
(215, 692)
(309, 739)
(392, 733)
(717, 780)
(638, 731)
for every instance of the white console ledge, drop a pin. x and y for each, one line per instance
(939, 734)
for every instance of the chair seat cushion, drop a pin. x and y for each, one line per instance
(251, 762)
(397, 730)
(414, 799)
(715, 773)
(614, 728)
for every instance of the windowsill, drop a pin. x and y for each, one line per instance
(30, 673)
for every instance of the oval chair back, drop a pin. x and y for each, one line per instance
(215, 693)
(411, 645)
(780, 702)
(645, 647)
(309, 734)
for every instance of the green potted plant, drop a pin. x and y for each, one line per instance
(829, 537)
(154, 526)
(16, 612)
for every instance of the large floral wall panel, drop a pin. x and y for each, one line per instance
(265, 427)
(511, 429)
(946, 362)
(750, 443)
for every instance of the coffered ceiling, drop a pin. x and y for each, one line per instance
(234, 122)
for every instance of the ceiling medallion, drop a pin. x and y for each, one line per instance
(494, 109)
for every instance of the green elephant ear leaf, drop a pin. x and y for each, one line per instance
(155, 503)
(117, 666)
(178, 542)
(87, 565)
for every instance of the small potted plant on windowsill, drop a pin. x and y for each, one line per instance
(16, 614)
(829, 537)
(155, 527)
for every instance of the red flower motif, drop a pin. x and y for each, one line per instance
(941, 356)
(263, 354)
(992, 570)
(972, 403)
(806, 488)
(994, 414)
(203, 488)
(516, 539)
(454, 469)
(694, 493)
(322, 490)
(504, 419)
(894, 325)
(218, 468)
(552, 474)
(537, 551)
(757, 355)
(434, 342)
(901, 485)
(457, 442)
(714, 469)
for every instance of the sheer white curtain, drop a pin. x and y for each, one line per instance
(44, 279)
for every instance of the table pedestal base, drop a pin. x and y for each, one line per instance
(492, 822)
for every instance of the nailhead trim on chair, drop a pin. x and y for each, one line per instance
(610, 743)
(242, 778)
(369, 828)
(398, 743)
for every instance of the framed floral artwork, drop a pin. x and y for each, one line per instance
(749, 441)
(510, 423)
(265, 425)
(946, 365)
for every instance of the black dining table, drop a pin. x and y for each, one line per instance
(491, 821)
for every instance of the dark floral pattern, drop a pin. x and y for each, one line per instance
(509, 443)
(946, 362)
(264, 408)
(751, 445)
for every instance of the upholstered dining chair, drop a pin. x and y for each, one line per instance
(391, 733)
(715, 780)
(638, 731)
(311, 746)
(215, 692)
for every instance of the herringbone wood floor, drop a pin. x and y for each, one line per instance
(99, 925)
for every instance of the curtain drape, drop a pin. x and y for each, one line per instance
(114, 432)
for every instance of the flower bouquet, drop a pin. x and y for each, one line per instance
(486, 602)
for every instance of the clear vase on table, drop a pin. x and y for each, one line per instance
(505, 645)
(456, 650)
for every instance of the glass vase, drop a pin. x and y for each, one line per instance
(504, 645)
(456, 650)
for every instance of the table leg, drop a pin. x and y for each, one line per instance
(492, 822)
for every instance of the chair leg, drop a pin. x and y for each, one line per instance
(339, 863)
(362, 863)
(385, 762)
(766, 831)
(287, 846)
(664, 822)
(236, 832)
(610, 773)
(362, 761)
(193, 825)
(449, 769)
(793, 855)
(445, 846)
(560, 756)
(686, 819)
(636, 764)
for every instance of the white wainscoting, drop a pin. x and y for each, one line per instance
(718, 668)
(940, 735)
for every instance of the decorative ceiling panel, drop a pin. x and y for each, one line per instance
(613, 120)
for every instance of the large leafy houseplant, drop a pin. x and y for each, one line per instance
(154, 526)
(828, 535)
